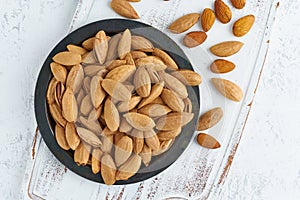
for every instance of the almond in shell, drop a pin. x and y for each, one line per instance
(86, 105)
(187, 77)
(96, 91)
(96, 158)
(225, 49)
(123, 150)
(207, 19)
(167, 135)
(75, 78)
(108, 169)
(51, 91)
(92, 70)
(101, 46)
(151, 140)
(67, 58)
(125, 106)
(59, 72)
(184, 23)
(173, 121)
(166, 58)
(174, 84)
(172, 100)
(88, 44)
(138, 54)
(76, 49)
(89, 137)
(141, 43)
(116, 90)
(146, 155)
(156, 90)
(69, 106)
(116, 63)
(243, 25)
(210, 118)
(195, 38)
(139, 121)
(60, 137)
(113, 43)
(72, 136)
(92, 125)
(82, 154)
(121, 73)
(138, 140)
(56, 113)
(155, 110)
(89, 58)
(129, 168)
(124, 9)
(142, 82)
(125, 126)
(111, 115)
(228, 89)
(107, 143)
(153, 62)
(207, 141)
(124, 45)
(164, 146)
(222, 11)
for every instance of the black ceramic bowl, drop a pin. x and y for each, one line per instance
(112, 26)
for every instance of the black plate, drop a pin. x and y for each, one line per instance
(111, 27)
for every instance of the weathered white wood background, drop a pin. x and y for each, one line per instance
(267, 163)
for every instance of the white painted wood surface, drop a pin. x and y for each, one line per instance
(29, 47)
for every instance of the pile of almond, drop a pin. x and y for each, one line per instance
(117, 101)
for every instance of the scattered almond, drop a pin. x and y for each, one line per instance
(228, 89)
(222, 11)
(243, 25)
(195, 38)
(184, 23)
(124, 9)
(225, 49)
(239, 4)
(221, 66)
(209, 119)
(207, 19)
(207, 141)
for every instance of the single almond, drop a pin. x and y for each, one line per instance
(239, 4)
(125, 106)
(72, 136)
(96, 158)
(139, 121)
(153, 62)
(113, 43)
(174, 84)
(225, 49)
(86, 105)
(69, 106)
(221, 66)
(108, 169)
(184, 23)
(60, 137)
(111, 115)
(210, 118)
(167, 135)
(101, 46)
(151, 140)
(116, 90)
(116, 63)
(140, 43)
(67, 58)
(124, 45)
(243, 25)
(195, 38)
(207, 141)
(228, 89)
(89, 137)
(172, 100)
(142, 82)
(82, 154)
(124, 9)
(91, 125)
(129, 168)
(121, 73)
(59, 72)
(155, 110)
(50, 96)
(166, 58)
(146, 155)
(96, 91)
(207, 19)
(138, 54)
(173, 121)
(187, 77)
(107, 143)
(223, 12)
(56, 113)
(138, 140)
(123, 150)
(92, 70)
(75, 78)
(88, 44)
(76, 49)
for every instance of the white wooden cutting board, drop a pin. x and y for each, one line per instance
(199, 173)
